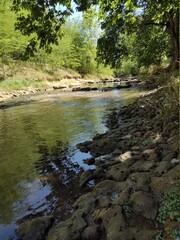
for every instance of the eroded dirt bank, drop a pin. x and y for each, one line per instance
(137, 163)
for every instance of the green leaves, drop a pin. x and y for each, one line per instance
(169, 213)
(42, 20)
(147, 20)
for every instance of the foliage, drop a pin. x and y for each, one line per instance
(168, 110)
(76, 49)
(129, 17)
(127, 67)
(133, 34)
(41, 20)
(169, 214)
(119, 19)
(149, 46)
(12, 43)
(127, 208)
(133, 142)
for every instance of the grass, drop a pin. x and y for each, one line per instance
(168, 109)
(22, 75)
(166, 100)
(15, 84)
(134, 142)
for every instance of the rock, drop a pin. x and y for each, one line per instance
(168, 157)
(90, 81)
(148, 134)
(59, 87)
(173, 142)
(127, 234)
(127, 185)
(89, 161)
(161, 185)
(175, 161)
(77, 227)
(86, 177)
(85, 146)
(116, 152)
(122, 199)
(94, 88)
(146, 234)
(112, 221)
(91, 233)
(118, 172)
(86, 203)
(136, 148)
(144, 204)
(152, 145)
(138, 134)
(75, 89)
(106, 188)
(85, 89)
(150, 155)
(70, 229)
(61, 231)
(142, 166)
(162, 167)
(35, 229)
(125, 157)
(127, 137)
(90, 175)
(103, 202)
(101, 147)
(141, 180)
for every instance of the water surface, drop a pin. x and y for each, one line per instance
(39, 162)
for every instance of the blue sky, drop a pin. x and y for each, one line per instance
(76, 13)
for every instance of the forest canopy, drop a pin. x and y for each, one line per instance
(151, 26)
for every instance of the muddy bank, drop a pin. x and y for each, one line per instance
(137, 163)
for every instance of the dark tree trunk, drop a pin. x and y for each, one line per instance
(173, 29)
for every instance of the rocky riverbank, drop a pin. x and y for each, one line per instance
(137, 165)
(70, 85)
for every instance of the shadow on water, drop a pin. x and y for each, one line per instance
(58, 184)
(15, 104)
(61, 176)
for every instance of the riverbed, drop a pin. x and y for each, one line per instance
(40, 164)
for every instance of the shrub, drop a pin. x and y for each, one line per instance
(169, 214)
(128, 68)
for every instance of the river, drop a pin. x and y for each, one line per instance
(40, 164)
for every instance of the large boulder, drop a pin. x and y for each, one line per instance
(118, 172)
(112, 221)
(144, 204)
(35, 229)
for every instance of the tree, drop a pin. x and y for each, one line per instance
(128, 16)
(44, 18)
(149, 46)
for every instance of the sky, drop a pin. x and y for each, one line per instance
(76, 14)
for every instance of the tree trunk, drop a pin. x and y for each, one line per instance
(173, 28)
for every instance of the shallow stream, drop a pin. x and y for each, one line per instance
(40, 164)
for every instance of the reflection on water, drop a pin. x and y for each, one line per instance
(39, 162)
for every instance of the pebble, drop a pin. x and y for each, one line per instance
(175, 161)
